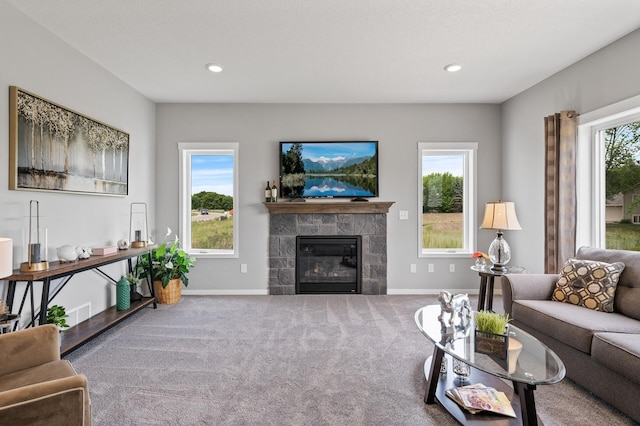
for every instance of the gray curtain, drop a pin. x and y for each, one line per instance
(560, 189)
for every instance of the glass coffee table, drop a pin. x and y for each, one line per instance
(535, 364)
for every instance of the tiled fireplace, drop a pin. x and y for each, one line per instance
(291, 219)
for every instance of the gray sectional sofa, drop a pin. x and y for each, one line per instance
(601, 351)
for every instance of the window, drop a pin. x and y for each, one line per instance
(209, 198)
(446, 199)
(608, 177)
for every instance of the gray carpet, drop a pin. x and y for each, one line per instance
(283, 360)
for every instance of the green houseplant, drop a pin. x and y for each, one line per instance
(171, 266)
(57, 315)
(491, 334)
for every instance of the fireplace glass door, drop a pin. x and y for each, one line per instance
(328, 264)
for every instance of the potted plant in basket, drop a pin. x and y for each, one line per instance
(170, 264)
(492, 334)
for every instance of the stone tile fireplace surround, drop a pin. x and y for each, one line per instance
(290, 219)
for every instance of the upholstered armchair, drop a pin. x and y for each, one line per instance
(36, 386)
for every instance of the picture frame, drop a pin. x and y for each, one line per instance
(53, 148)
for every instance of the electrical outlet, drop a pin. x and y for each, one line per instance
(413, 268)
(243, 268)
(430, 267)
(404, 215)
(452, 267)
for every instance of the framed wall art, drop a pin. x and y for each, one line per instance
(52, 148)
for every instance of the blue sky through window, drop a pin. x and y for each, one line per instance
(212, 173)
(453, 164)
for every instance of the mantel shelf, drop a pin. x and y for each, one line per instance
(344, 207)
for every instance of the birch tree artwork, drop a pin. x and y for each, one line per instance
(55, 149)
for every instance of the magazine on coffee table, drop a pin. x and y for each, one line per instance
(478, 397)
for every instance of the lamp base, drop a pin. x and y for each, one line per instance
(499, 253)
(34, 267)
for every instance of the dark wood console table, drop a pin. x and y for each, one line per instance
(75, 336)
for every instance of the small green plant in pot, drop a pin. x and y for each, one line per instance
(170, 265)
(492, 336)
(57, 315)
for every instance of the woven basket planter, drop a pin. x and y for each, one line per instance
(170, 294)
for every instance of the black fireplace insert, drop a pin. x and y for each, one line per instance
(328, 264)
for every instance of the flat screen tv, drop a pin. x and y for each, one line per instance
(329, 169)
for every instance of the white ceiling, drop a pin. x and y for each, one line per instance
(342, 51)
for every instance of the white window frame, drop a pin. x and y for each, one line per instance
(469, 152)
(590, 176)
(186, 151)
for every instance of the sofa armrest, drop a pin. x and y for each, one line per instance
(526, 287)
(29, 348)
(61, 401)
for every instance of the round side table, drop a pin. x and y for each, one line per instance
(488, 276)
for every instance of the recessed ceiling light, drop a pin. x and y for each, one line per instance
(214, 68)
(453, 67)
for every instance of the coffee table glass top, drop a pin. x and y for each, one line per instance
(536, 363)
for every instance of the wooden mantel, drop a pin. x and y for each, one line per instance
(341, 207)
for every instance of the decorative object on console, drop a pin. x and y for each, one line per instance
(101, 251)
(123, 244)
(138, 225)
(6, 257)
(35, 122)
(84, 252)
(36, 250)
(492, 333)
(67, 253)
(588, 283)
(123, 297)
(501, 216)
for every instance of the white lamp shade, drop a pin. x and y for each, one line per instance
(500, 215)
(6, 257)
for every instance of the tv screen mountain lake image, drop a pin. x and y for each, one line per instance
(329, 169)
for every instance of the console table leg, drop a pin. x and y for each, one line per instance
(433, 375)
(527, 403)
(44, 302)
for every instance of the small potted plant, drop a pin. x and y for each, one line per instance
(170, 264)
(492, 333)
(57, 315)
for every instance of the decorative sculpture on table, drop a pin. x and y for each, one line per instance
(457, 307)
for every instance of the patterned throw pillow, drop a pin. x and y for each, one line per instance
(588, 283)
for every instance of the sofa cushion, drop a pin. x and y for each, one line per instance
(570, 324)
(627, 299)
(588, 283)
(619, 352)
(42, 373)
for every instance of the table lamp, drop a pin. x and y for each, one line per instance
(6, 257)
(500, 215)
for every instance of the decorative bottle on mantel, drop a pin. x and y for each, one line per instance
(274, 192)
(267, 193)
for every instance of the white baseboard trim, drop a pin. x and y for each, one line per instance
(390, 291)
(257, 292)
(408, 291)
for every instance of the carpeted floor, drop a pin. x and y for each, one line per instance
(283, 360)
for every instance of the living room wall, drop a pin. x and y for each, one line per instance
(259, 127)
(605, 77)
(37, 61)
